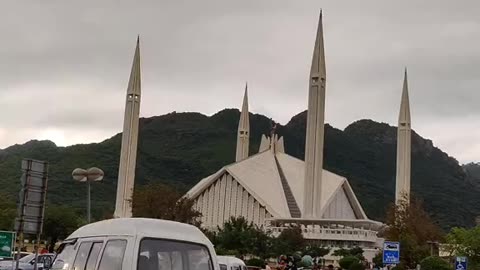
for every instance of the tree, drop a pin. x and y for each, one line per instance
(317, 251)
(60, 222)
(409, 224)
(434, 263)
(357, 252)
(465, 242)
(356, 266)
(341, 252)
(239, 237)
(347, 261)
(211, 235)
(260, 243)
(256, 262)
(8, 212)
(164, 202)
(400, 266)
(353, 252)
(289, 241)
(378, 259)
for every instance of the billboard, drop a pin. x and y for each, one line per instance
(32, 197)
(7, 243)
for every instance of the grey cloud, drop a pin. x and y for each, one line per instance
(57, 52)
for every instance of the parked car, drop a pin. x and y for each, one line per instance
(28, 262)
(22, 254)
(231, 263)
(136, 243)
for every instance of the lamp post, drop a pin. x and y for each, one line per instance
(93, 174)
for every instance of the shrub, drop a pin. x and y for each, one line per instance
(346, 262)
(399, 267)
(356, 266)
(434, 263)
(256, 262)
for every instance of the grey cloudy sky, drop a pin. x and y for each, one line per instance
(64, 65)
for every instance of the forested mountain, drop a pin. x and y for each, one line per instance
(181, 148)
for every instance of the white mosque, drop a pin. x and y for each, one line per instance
(275, 190)
(271, 188)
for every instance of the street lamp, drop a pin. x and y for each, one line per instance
(91, 175)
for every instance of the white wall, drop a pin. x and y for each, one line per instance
(225, 198)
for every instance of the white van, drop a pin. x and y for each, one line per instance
(136, 244)
(231, 263)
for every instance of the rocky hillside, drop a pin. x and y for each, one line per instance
(181, 148)
(472, 170)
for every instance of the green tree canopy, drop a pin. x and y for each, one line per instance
(239, 237)
(357, 266)
(316, 251)
(465, 242)
(341, 252)
(353, 252)
(289, 241)
(60, 222)
(8, 212)
(164, 202)
(434, 263)
(378, 259)
(347, 261)
(409, 224)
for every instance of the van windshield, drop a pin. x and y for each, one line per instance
(159, 254)
(64, 257)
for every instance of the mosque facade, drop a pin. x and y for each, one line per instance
(276, 191)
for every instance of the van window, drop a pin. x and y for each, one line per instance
(94, 254)
(158, 254)
(112, 257)
(223, 266)
(82, 256)
(64, 258)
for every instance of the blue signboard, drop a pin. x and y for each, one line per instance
(461, 263)
(391, 253)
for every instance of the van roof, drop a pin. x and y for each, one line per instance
(230, 260)
(155, 228)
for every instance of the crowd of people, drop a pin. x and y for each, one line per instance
(291, 263)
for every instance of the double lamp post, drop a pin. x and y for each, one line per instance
(90, 175)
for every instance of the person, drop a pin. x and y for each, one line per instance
(267, 267)
(44, 251)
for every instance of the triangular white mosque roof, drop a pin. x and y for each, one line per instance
(260, 175)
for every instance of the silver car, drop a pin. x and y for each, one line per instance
(28, 262)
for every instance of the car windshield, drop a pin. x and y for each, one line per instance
(27, 258)
(156, 254)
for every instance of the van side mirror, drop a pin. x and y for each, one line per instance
(47, 263)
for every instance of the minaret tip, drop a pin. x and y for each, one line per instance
(138, 38)
(318, 61)
(405, 80)
(245, 100)
(243, 129)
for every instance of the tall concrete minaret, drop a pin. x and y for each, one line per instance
(315, 129)
(243, 134)
(404, 142)
(128, 155)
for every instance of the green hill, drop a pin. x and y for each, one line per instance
(181, 148)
